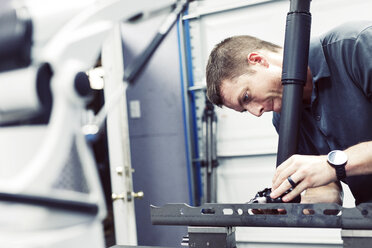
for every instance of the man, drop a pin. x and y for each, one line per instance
(244, 73)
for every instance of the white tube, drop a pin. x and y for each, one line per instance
(18, 94)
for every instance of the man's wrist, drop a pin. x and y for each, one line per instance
(338, 159)
(330, 169)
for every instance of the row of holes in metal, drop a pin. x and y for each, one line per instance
(229, 211)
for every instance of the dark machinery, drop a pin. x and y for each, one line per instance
(356, 223)
(209, 162)
(263, 196)
(294, 74)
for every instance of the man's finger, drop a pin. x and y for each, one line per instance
(284, 186)
(282, 167)
(282, 211)
(280, 190)
(295, 192)
(283, 176)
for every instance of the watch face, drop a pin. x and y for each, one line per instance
(337, 157)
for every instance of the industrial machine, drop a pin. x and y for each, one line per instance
(52, 194)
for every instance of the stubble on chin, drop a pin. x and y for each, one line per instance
(277, 107)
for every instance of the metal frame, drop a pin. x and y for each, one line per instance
(356, 223)
(191, 99)
(227, 7)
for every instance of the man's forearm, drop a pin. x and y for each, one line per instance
(310, 171)
(359, 159)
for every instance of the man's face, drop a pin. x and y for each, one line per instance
(256, 93)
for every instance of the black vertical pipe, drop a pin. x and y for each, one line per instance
(210, 161)
(294, 75)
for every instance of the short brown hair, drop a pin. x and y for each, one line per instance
(228, 60)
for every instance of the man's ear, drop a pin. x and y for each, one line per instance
(255, 58)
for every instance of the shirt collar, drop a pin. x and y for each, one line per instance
(317, 61)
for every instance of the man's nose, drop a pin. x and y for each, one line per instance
(256, 110)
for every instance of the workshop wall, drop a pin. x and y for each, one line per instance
(156, 131)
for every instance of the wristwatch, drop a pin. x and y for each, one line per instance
(338, 159)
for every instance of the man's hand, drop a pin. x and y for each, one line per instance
(264, 197)
(306, 171)
(330, 193)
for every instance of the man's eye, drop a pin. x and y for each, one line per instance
(246, 98)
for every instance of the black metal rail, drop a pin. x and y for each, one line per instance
(49, 202)
(323, 215)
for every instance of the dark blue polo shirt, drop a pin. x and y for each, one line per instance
(340, 113)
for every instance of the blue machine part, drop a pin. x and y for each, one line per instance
(198, 186)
